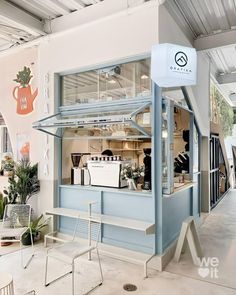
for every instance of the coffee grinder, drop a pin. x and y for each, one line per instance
(79, 175)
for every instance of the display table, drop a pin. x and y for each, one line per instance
(6, 284)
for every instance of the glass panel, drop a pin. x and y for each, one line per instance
(80, 88)
(120, 130)
(181, 141)
(111, 124)
(122, 81)
(175, 94)
(165, 154)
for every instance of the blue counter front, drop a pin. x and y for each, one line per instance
(116, 202)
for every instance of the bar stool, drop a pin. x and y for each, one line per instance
(6, 284)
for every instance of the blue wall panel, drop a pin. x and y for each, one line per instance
(176, 209)
(123, 204)
(134, 206)
(196, 195)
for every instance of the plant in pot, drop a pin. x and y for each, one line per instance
(24, 182)
(36, 227)
(23, 93)
(132, 174)
(3, 203)
(7, 165)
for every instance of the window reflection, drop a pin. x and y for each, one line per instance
(122, 81)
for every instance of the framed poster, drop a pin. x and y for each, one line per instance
(23, 146)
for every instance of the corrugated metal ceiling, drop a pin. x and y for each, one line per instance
(39, 10)
(12, 35)
(198, 18)
(205, 17)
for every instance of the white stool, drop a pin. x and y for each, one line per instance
(6, 284)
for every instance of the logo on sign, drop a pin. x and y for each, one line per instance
(181, 59)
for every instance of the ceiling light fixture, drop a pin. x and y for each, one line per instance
(143, 77)
(111, 81)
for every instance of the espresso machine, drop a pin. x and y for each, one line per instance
(79, 175)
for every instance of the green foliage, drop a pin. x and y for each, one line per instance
(131, 172)
(3, 203)
(24, 183)
(7, 163)
(226, 113)
(37, 225)
(23, 77)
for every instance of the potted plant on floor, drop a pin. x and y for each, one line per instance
(24, 182)
(36, 227)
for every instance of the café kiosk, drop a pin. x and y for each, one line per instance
(127, 113)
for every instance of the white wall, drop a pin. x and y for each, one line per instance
(200, 94)
(18, 124)
(169, 32)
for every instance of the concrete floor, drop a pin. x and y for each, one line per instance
(218, 238)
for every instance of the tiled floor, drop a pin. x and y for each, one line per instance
(218, 237)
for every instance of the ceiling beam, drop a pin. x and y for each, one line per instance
(226, 78)
(217, 40)
(99, 11)
(18, 18)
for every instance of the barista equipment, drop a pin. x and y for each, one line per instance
(106, 171)
(79, 175)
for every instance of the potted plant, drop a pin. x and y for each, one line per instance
(23, 93)
(7, 165)
(24, 182)
(132, 174)
(3, 203)
(35, 227)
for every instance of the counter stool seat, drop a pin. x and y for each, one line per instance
(6, 284)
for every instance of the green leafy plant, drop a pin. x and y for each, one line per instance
(23, 183)
(23, 77)
(36, 226)
(3, 203)
(226, 112)
(7, 163)
(131, 172)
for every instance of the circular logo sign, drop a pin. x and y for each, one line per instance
(181, 59)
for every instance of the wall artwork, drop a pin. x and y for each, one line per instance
(23, 146)
(23, 93)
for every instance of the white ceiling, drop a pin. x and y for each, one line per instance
(211, 26)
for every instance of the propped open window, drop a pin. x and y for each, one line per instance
(120, 120)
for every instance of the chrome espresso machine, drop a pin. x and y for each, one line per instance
(106, 171)
(79, 175)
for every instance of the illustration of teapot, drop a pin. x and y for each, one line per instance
(23, 93)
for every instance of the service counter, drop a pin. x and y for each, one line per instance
(124, 203)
